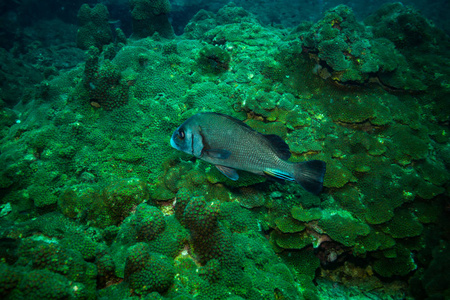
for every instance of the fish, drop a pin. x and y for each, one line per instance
(230, 145)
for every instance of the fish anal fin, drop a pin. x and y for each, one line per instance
(278, 174)
(229, 172)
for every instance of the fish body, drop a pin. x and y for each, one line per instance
(232, 145)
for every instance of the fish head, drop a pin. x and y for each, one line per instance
(188, 138)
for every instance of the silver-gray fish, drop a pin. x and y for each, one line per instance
(232, 145)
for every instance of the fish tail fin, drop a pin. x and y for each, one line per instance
(310, 174)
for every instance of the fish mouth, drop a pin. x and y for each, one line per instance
(173, 144)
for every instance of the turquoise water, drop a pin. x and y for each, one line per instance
(96, 204)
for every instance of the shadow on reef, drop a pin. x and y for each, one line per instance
(96, 204)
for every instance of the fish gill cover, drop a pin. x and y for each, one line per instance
(95, 204)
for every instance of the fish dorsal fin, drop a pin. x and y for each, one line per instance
(237, 121)
(279, 146)
(229, 172)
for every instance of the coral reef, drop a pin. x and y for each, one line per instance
(149, 17)
(213, 59)
(96, 203)
(346, 49)
(147, 272)
(104, 83)
(94, 30)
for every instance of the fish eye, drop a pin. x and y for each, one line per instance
(181, 133)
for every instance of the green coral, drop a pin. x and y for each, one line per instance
(304, 262)
(375, 240)
(81, 243)
(379, 212)
(349, 51)
(211, 271)
(287, 224)
(433, 171)
(94, 27)
(211, 240)
(332, 51)
(249, 197)
(150, 17)
(44, 284)
(172, 240)
(407, 144)
(58, 262)
(306, 215)
(434, 279)
(400, 264)
(183, 197)
(148, 272)
(337, 175)
(389, 182)
(213, 59)
(350, 199)
(404, 224)
(426, 212)
(105, 84)
(401, 24)
(9, 279)
(302, 141)
(428, 190)
(291, 240)
(343, 228)
(236, 218)
(150, 222)
(42, 196)
(121, 197)
(106, 267)
(358, 108)
(201, 217)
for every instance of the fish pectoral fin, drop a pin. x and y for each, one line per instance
(229, 172)
(218, 153)
(278, 174)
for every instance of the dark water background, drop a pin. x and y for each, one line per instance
(17, 15)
